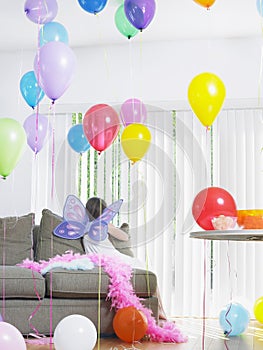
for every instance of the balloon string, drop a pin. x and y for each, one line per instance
(53, 152)
(36, 309)
(51, 291)
(99, 304)
(131, 68)
(106, 59)
(231, 293)
(260, 75)
(3, 269)
(204, 299)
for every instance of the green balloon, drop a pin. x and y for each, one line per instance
(12, 144)
(123, 25)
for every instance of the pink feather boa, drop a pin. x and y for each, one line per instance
(120, 293)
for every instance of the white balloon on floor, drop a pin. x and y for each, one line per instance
(75, 332)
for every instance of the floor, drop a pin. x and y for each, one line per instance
(202, 336)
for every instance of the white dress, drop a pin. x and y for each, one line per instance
(107, 248)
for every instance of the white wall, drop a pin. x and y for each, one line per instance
(157, 73)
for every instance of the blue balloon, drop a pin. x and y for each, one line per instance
(260, 7)
(30, 90)
(53, 31)
(77, 139)
(234, 319)
(93, 6)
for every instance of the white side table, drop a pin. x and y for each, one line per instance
(229, 235)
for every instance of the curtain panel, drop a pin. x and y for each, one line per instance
(158, 191)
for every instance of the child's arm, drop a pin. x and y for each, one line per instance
(117, 233)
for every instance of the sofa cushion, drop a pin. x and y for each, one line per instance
(19, 282)
(16, 238)
(85, 284)
(49, 245)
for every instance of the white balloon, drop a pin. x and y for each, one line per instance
(75, 332)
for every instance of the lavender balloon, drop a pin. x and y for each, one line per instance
(41, 11)
(11, 338)
(55, 66)
(133, 111)
(139, 12)
(37, 131)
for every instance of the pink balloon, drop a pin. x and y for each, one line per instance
(11, 338)
(101, 125)
(55, 67)
(133, 111)
(41, 11)
(37, 131)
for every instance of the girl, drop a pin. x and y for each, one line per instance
(95, 207)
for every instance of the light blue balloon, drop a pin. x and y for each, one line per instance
(234, 319)
(30, 90)
(77, 139)
(260, 7)
(53, 31)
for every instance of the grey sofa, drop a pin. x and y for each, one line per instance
(28, 298)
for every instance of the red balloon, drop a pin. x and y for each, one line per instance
(101, 125)
(210, 203)
(130, 324)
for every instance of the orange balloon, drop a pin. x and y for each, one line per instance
(130, 324)
(205, 3)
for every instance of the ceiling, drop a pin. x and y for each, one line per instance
(174, 19)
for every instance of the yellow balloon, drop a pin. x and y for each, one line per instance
(135, 141)
(258, 309)
(206, 95)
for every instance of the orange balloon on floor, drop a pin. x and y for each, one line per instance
(205, 3)
(130, 324)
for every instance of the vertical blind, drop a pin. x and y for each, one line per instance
(158, 193)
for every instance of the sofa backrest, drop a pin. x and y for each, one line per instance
(16, 241)
(21, 239)
(49, 245)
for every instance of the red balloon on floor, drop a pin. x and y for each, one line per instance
(130, 324)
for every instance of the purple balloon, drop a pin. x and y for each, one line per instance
(1, 318)
(133, 111)
(139, 12)
(41, 11)
(37, 131)
(55, 66)
(11, 338)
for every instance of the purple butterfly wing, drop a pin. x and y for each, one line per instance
(74, 210)
(109, 212)
(70, 230)
(98, 230)
(75, 219)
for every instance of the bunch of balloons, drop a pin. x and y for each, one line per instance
(136, 137)
(54, 63)
(134, 16)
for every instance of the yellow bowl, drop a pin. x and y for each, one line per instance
(250, 219)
